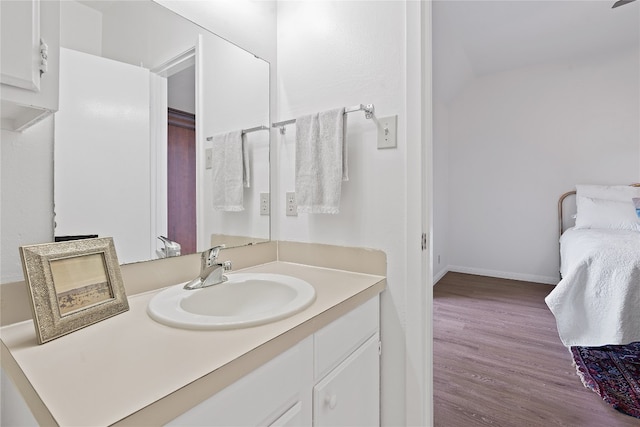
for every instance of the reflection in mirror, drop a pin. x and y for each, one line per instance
(80, 282)
(141, 90)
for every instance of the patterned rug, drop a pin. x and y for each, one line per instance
(613, 372)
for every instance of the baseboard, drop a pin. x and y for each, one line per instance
(504, 275)
(439, 275)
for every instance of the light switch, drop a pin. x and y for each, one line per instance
(387, 132)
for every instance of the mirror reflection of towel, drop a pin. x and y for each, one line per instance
(320, 161)
(246, 168)
(228, 171)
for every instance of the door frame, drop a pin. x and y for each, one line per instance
(159, 109)
(419, 289)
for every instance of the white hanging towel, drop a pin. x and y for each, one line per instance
(246, 168)
(228, 171)
(321, 161)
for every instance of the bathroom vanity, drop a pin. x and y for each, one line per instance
(317, 367)
(328, 379)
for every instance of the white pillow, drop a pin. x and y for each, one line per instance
(607, 214)
(620, 193)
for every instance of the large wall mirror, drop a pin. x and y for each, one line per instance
(145, 95)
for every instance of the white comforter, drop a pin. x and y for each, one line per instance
(598, 300)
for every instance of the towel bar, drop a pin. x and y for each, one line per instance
(368, 109)
(263, 127)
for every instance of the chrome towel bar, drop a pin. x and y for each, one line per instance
(368, 109)
(254, 129)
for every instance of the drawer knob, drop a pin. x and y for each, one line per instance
(331, 400)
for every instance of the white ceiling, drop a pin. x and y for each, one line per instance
(477, 37)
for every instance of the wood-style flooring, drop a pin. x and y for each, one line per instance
(498, 361)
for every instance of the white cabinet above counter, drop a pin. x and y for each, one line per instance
(29, 62)
(130, 370)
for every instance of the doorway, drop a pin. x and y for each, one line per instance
(181, 179)
(180, 163)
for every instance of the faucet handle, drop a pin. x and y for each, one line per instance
(170, 249)
(226, 266)
(210, 255)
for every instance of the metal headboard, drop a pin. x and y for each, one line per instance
(560, 210)
(560, 207)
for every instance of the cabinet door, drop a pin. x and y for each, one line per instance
(20, 42)
(350, 394)
(27, 96)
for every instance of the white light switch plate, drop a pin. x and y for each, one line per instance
(388, 132)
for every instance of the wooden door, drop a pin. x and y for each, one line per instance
(181, 177)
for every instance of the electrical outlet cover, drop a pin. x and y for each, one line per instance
(291, 204)
(264, 203)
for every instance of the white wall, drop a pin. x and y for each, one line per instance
(334, 54)
(26, 195)
(80, 28)
(517, 140)
(181, 90)
(440, 190)
(452, 69)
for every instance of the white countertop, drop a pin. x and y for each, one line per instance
(129, 369)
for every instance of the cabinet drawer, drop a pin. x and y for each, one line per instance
(350, 394)
(262, 396)
(341, 337)
(292, 418)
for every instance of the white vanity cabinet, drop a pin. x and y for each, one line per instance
(331, 378)
(347, 369)
(30, 37)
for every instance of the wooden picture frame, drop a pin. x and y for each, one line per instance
(72, 284)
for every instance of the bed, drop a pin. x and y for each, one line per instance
(597, 301)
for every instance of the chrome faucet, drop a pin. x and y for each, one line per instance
(211, 271)
(170, 249)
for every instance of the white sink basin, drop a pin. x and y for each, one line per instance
(246, 299)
